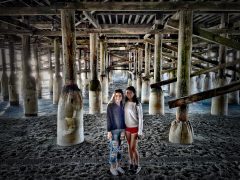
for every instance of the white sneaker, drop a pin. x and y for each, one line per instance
(114, 172)
(138, 170)
(119, 169)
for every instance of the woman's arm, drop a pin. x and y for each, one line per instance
(109, 117)
(140, 119)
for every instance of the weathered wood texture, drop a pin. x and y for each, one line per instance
(205, 95)
(69, 44)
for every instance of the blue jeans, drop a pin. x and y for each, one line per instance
(115, 146)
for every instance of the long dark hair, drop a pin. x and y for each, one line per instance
(135, 99)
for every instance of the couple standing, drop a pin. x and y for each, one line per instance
(124, 119)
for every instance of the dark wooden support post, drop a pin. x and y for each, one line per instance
(139, 73)
(70, 129)
(4, 79)
(29, 91)
(205, 95)
(135, 60)
(146, 81)
(95, 90)
(38, 76)
(104, 78)
(172, 88)
(86, 68)
(110, 79)
(50, 70)
(130, 69)
(181, 130)
(219, 104)
(156, 99)
(78, 62)
(12, 83)
(57, 81)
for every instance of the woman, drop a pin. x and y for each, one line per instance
(116, 130)
(134, 127)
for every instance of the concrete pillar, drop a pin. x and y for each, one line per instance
(156, 100)
(103, 77)
(193, 85)
(57, 82)
(95, 90)
(219, 104)
(233, 97)
(50, 70)
(139, 76)
(12, 83)
(70, 129)
(38, 76)
(146, 81)
(4, 79)
(29, 91)
(181, 130)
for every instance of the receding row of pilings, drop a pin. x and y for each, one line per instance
(67, 90)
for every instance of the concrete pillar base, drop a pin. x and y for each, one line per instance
(172, 90)
(13, 95)
(51, 85)
(95, 97)
(39, 88)
(219, 104)
(233, 98)
(139, 86)
(181, 132)
(156, 102)
(12, 90)
(207, 83)
(4, 87)
(57, 88)
(70, 130)
(104, 81)
(145, 91)
(30, 101)
(193, 85)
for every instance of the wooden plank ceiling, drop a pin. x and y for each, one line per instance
(124, 22)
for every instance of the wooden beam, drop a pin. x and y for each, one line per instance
(207, 35)
(203, 71)
(92, 20)
(123, 6)
(205, 95)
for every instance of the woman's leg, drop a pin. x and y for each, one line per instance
(113, 150)
(130, 154)
(133, 147)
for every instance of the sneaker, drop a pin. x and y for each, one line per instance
(137, 169)
(131, 168)
(119, 169)
(114, 172)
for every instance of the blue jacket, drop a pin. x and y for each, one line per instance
(115, 117)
